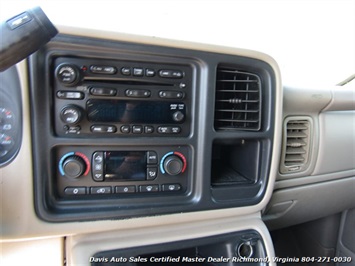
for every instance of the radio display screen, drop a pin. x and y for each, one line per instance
(123, 111)
(125, 165)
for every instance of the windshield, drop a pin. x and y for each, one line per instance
(312, 41)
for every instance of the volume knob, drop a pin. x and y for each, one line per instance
(74, 166)
(68, 74)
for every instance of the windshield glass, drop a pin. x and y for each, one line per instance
(312, 41)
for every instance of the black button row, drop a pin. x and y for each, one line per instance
(148, 72)
(137, 72)
(134, 93)
(73, 191)
(136, 129)
(126, 129)
(167, 73)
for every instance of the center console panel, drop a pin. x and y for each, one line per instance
(123, 130)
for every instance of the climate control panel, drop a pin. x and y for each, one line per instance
(87, 171)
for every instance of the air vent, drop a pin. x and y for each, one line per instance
(238, 100)
(296, 145)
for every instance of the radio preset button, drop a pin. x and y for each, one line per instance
(100, 190)
(137, 129)
(70, 95)
(175, 74)
(171, 94)
(148, 129)
(103, 129)
(138, 72)
(108, 70)
(126, 71)
(125, 189)
(169, 130)
(98, 91)
(125, 129)
(150, 72)
(149, 188)
(138, 93)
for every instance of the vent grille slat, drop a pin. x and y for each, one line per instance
(294, 158)
(292, 150)
(238, 100)
(237, 111)
(296, 146)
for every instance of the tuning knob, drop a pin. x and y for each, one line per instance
(178, 116)
(71, 114)
(74, 166)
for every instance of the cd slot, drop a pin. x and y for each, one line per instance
(126, 81)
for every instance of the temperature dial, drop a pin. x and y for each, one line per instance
(68, 74)
(74, 165)
(173, 163)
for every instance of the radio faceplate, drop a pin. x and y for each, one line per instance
(111, 98)
(87, 172)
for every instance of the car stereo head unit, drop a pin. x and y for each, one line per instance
(121, 98)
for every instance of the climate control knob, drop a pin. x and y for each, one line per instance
(74, 166)
(173, 163)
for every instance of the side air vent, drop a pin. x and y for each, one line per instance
(238, 100)
(296, 145)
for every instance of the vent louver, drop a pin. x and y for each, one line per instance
(238, 100)
(296, 144)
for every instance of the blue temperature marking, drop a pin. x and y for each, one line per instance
(162, 161)
(61, 170)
